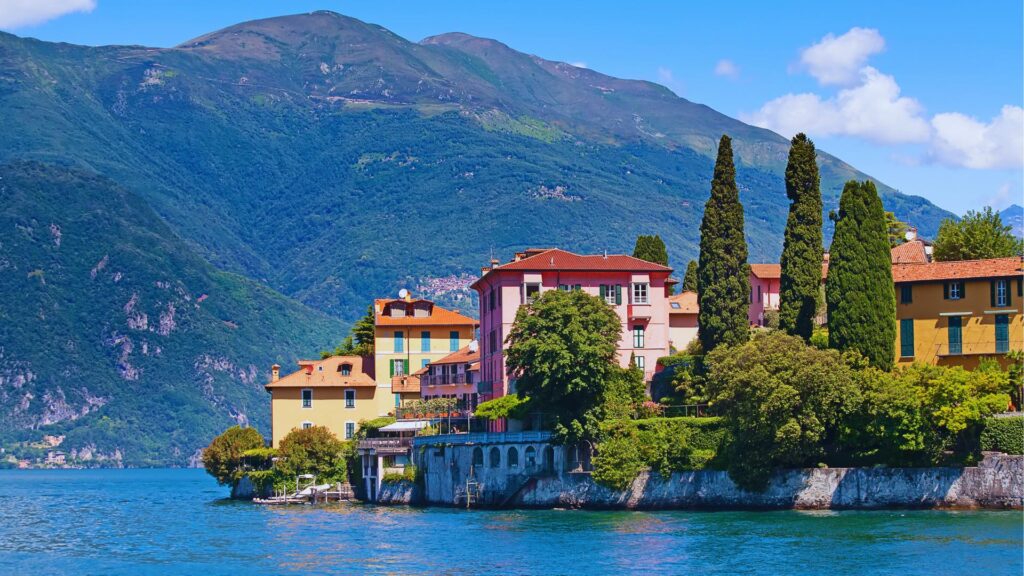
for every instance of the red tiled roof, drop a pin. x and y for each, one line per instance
(909, 252)
(956, 270)
(310, 374)
(687, 303)
(774, 271)
(461, 356)
(438, 316)
(556, 259)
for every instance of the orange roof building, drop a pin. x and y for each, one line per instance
(682, 319)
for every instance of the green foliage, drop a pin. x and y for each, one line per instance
(651, 249)
(408, 474)
(1003, 435)
(562, 351)
(223, 457)
(783, 401)
(625, 393)
(860, 294)
(690, 279)
(359, 342)
(314, 450)
(508, 406)
(897, 230)
(819, 338)
(977, 236)
(723, 286)
(802, 244)
(367, 428)
(664, 445)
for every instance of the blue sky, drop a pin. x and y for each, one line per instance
(924, 96)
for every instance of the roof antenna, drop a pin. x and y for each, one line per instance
(605, 253)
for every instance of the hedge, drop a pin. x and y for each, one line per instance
(1003, 435)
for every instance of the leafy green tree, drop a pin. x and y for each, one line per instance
(802, 249)
(359, 342)
(859, 292)
(977, 236)
(223, 457)
(562, 351)
(723, 286)
(690, 279)
(783, 401)
(508, 406)
(625, 392)
(314, 450)
(651, 249)
(896, 228)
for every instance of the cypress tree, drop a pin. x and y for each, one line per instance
(859, 292)
(801, 250)
(651, 249)
(690, 280)
(723, 286)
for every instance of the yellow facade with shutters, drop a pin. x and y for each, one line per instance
(958, 322)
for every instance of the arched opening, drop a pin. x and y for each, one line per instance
(513, 457)
(549, 459)
(345, 369)
(495, 457)
(531, 458)
(478, 457)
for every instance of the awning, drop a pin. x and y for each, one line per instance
(406, 426)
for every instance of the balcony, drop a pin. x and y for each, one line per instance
(485, 438)
(445, 380)
(639, 311)
(386, 445)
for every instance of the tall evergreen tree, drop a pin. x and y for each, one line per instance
(651, 249)
(723, 286)
(801, 250)
(690, 280)
(860, 294)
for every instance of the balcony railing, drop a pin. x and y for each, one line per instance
(386, 445)
(483, 438)
(990, 347)
(444, 379)
(422, 414)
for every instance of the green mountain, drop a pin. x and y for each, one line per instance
(332, 161)
(115, 335)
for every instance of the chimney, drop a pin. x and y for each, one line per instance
(495, 261)
(275, 373)
(911, 234)
(473, 345)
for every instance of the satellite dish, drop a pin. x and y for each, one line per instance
(403, 293)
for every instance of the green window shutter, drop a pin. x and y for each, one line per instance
(603, 290)
(945, 290)
(1020, 288)
(1009, 300)
(618, 294)
(1002, 333)
(405, 364)
(577, 286)
(907, 338)
(563, 287)
(391, 364)
(963, 289)
(992, 292)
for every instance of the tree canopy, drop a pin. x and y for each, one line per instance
(690, 279)
(859, 292)
(977, 236)
(651, 249)
(223, 457)
(562, 353)
(723, 285)
(314, 450)
(802, 245)
(360, 340)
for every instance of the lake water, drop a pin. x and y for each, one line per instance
(178, 522)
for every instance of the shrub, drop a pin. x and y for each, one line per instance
(409, 474)
(819, 338)
(508, 406)
(223, 457)
(1003, 435)
(368, 426)
(315, 450)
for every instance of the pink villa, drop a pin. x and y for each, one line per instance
(637, 290)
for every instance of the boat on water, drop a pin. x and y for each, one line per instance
(307, 491)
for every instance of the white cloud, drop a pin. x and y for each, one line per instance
(1002, 197)
(963, 141)
(18, 13)
(727, 68)
(873, 110)
(839, 59)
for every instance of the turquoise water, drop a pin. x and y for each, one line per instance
(177, 522)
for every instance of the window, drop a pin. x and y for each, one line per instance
(640, 293)
(453, 341)
(1002, 333)
(425, 341)
(493, 339)
(638, 336)
(639, 362)
(760, 298)
(399, 341)
(675, 305)
(478, 456)
(563, 287)
(1001, 292)
(424, 363)
(906, 293)
(954, 290)
(955, 335)
(532, 290)
(306, 425)
(320, 368)
(398, 400)
(531, 457)
(307, 398)
(350, 398)
(907, 338)
(611, 294)
(492, 299)
(350, 430)
(495, 457)
(513, 457)
(345, 369)
(399, 368)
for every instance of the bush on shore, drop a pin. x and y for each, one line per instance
(1003, 435)
(223, 458)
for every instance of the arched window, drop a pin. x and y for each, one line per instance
(513, 457)
(495, 457)
(531, 457)
(345, 369)
(549, 459)
(478, 457)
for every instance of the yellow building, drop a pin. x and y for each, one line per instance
(335, 392)
(409, 333)
(955, 313)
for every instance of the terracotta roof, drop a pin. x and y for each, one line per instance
(461, 356)
(687, 302)
(406, 384)
(326, 373)
(557, 259)
(438, 316)
(909, 252)
(957, 270)
(774, 271)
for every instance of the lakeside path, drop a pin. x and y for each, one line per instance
(178, 522)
